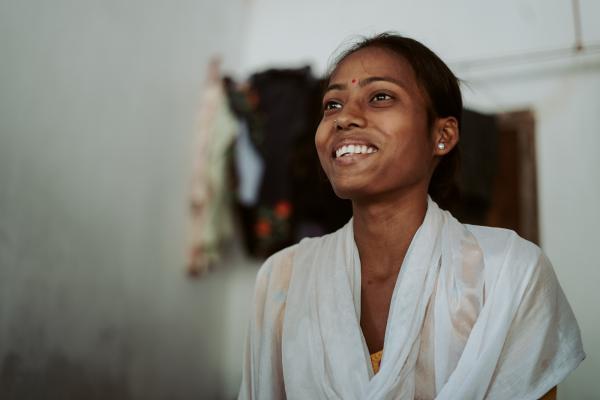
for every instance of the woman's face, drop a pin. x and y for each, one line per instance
(373, 139)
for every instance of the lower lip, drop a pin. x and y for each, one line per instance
(352, 158)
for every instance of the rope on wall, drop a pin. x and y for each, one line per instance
(528, 57)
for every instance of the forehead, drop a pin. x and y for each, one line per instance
(373, 61)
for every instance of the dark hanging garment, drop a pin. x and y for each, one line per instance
(284, 99)
(479, 163)
(282, 110)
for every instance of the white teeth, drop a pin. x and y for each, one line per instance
(354, 149)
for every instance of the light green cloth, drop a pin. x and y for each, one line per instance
(211, 195)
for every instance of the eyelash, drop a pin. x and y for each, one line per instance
(329, 105)
(388, 97)
(326, 106)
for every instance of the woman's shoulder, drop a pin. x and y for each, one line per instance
(504, 251)
(522, 286)
(503, 242)
(281, 261)
(277, 269)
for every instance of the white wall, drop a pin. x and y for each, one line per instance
(284, 32)
(564, 94)
(98, 102)
(97, 107)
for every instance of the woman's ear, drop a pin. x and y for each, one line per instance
(445, 135)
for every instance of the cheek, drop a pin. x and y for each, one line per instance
(321, 141)
(421, 153)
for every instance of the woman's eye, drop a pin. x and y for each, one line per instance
(331, 105)
(381, 97)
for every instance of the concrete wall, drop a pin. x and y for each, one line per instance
(564, 95)
(98, 103)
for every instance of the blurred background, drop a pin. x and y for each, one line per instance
(136, 139)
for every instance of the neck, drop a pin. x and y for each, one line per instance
(383, 231)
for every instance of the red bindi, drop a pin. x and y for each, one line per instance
(353, 80)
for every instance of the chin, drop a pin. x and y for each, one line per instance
(348, 192)
(343, 195)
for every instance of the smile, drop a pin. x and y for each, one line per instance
(349, 149)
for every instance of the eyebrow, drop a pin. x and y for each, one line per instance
(365, 82)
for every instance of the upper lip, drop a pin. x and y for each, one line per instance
(356, 140)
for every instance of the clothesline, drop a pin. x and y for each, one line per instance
(528, 57)
(577, 49)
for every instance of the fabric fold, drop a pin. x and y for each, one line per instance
(476, 313)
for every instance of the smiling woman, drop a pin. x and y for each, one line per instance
(384, 110)
(404, 301)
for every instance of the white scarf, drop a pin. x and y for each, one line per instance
(483, 349)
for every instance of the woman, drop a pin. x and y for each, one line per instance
(404, 301)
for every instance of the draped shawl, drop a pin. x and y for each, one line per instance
(476, 313)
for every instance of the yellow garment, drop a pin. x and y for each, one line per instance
(376, 360)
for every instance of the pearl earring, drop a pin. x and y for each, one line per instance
(441, 146)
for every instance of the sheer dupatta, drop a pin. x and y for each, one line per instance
(477, 284)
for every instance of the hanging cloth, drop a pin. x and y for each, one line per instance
(211, 196)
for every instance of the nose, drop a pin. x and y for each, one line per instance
(350, 116)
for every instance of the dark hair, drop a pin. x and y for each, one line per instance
(442, 91)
